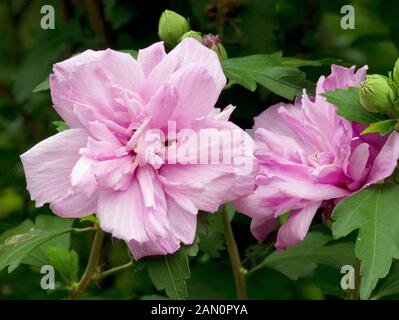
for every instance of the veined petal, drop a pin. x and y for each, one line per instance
(183, 223)
(149, 57)
(48, 166)
(122, 213)
(88, 79)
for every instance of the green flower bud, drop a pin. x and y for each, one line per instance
(171, 27)
(376, 94)
(214, 43)
(192, 34)
(396, 71)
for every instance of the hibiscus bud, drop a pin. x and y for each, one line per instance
(171, 27)
(192, 34)
(376, 94)
(214, 43)
(396, 71)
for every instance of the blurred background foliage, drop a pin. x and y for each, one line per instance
(301, 28)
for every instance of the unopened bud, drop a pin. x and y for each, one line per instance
(192, 34)
(171, 27)
(214, 43)
(377, 94)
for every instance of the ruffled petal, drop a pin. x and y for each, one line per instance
(149, 57)
(296, 227)
(386, 161)
(90, 80)
(186, 54)
(48, 166)
(122, 213)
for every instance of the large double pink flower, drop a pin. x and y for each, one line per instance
(308, 156)
(105, 164)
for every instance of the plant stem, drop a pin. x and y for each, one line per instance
(91, 267)
(238, 271)
(353, 294)
(111, 271)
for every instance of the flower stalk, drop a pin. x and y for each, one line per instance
(78, 290)
(104, 274)
(238, 271)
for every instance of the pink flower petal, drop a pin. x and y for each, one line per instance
(183, 223)
(88, 79)
(386, 161)
(122, 213)
(150, 57)
(296, 227)
(160, 246)
(48, 166)
(358, 161)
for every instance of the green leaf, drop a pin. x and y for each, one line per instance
(383, 127)
(270, 72)
(374, 211)
(170, 273)
(328, 279)
(60, 125)
(42, 86)
(65, 262)
(296, 62)
(349, 107)
(390, 285)
(317, 248)
(16, 248)
(38, 257)
(210, 234)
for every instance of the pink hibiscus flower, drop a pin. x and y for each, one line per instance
(107, 164)
(309, 157)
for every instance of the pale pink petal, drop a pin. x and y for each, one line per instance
(149, 57)
(386, 161)
(48, 166)
(296, 227)
(183, 223)
(115, 173)
(88, 79)
(358, 161)
(220, 115)
(273, 120)
(192, 104)
(161, 246)
(342, 78)
(190, 51)
(82, 177)
(181, 200)
(75, 205)
(207, 186)
(187, 53)
(255, 204)
(122, 213)
(145, 176)
(311, 191)
(162, 105)
(261, 227)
